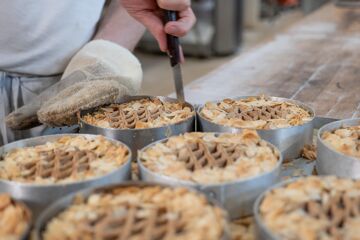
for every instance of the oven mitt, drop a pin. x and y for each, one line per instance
(100, 73)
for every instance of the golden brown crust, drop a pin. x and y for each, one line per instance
(207, 158)
(14, 218)
(139, 114)
(67, 159)
(136, 213)
(255, 113)
(314, 208)
(345, 140)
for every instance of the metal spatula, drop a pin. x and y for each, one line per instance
(174, 54)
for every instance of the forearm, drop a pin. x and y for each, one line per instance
(119, 27)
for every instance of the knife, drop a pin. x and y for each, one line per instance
(174, 55)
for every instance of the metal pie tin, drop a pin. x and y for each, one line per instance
(290, 141)
(331, 162)
(66, 201)
(38, 196)
(237, 196)
(138, 138)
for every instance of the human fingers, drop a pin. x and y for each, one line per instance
(183, 25)
(174, 5)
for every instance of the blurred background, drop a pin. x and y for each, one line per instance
(224, 30)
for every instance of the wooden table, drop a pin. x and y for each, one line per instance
(317, 61)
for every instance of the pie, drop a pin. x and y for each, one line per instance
(345, 140)
(314, 208)
(139, 114)
(208, 158)
(243, 229)
(15, 218)
(255, 113)
(67, 159)
(139, 213)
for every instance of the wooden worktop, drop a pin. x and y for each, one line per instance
(317, 61)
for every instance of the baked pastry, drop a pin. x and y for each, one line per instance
(314, 208)
(345, 140)
(67, 159)
(243, 229)
(138, 114)
(139, 213)
(14, 218)
(255, 113)
(210, 158)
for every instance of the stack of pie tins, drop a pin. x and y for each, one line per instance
(133, 210)
(40, 170)
(286, 123)
(338, 149)
(139, 120)
(232, 168)
(309, 208)
(15, 218)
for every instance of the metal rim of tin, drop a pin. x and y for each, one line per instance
(279, 99)
(193, 184)
(261, 227)
(126, 99)
(47, 138)
(337, 156)
(62, 204)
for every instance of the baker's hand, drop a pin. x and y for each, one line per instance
(100, 73)
(150, 14)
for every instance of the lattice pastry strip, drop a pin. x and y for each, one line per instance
(135, 221)
(337, 210)
(200, 154)
(258, 113)
(58, 164)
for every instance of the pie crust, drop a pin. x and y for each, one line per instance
(139, 114)
(314, 208)
(345, 140)
(139, 213)
(14, 218)
(67, 159)
(208, 158)
(255, 113)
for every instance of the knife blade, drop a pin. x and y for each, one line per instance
(174, 55)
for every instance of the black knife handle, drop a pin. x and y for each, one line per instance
(172, 41)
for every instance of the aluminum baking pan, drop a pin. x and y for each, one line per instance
(237, 196)
(64, 202)
(39, 196)
(261, 231)
(139, 138)
(331, 162)
(290, 141)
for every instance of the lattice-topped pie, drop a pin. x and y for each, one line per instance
(209, 158)
(14, 218)
(255, 113)
(66, 159)
(138, 114)
(139, 213)
(314, 208)
(345, 140)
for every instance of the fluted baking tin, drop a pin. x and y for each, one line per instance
(331, 162)
(290, 141)
(261, 231)
(138, 138)
(237, 196)
(63, 203)
(39, 196)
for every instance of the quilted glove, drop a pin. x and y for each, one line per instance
(100, 73)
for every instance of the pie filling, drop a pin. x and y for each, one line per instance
(138, 114)
(314, 208)
(209, 158)
(345, 140)
(67, 159)
(14, 218)
(255, 113)
(137, 213)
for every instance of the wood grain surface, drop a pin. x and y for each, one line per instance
(317, 61)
